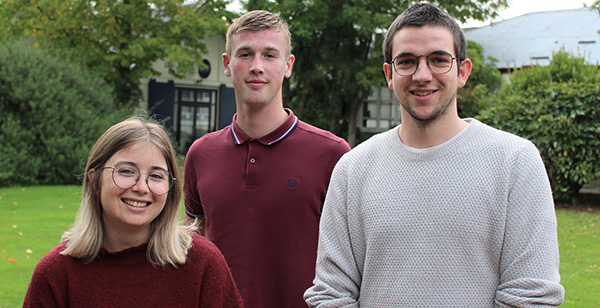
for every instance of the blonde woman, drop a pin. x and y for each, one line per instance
(127, 248)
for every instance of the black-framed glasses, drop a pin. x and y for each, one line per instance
(126, 175)
(438, 63)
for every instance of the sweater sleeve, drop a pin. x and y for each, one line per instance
(530, 258)
(47, 286)
(218, 288)
(39, 293)
(338, 277)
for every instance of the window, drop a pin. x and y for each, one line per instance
(381, 112)
(194, 115)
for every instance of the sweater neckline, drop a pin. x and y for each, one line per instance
(451, 146)
(105, 254)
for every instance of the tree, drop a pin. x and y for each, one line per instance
(51, 113)
(120, 39)
(556, 107)
(337, 44)
(484, 81)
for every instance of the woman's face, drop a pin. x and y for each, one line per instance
(132, 209)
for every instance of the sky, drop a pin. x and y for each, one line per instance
(521, 7)
(516, 8)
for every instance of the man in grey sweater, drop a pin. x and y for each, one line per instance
(439, 211)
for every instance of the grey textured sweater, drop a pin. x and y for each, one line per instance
(469, 223)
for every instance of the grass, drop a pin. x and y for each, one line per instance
(32, 219)
(578, 237)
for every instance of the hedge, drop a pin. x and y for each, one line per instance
(51, 113)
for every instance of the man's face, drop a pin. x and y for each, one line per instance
(258, 63)
(425, 96)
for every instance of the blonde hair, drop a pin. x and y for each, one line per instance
(256, 21)
(169, 241)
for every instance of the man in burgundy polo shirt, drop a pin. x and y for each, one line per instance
(258, 185)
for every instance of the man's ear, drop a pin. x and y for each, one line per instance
(387, 70)
(464, 71)
(289, 64)
(226, 61)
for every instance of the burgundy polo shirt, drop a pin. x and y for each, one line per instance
(262, 200)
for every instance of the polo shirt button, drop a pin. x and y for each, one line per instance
(252, 160)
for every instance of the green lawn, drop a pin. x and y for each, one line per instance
(32, 219)
(579, 240)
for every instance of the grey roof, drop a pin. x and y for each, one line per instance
(532, 38)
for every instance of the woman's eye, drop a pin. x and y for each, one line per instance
(125, 171)
(157, 176)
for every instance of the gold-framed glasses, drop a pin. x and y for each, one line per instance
(125, 175)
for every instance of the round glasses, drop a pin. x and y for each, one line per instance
(126, 175)
(438, 63)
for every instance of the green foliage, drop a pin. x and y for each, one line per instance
(121, 40)
(557, 108)
(337, 44)
(483, 82)
(51, 113)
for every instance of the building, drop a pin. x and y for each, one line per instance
(199, 103)
(531, 39)
(519, 42)
(204, 101)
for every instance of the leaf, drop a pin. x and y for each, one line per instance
(109, 36)
(12, 260)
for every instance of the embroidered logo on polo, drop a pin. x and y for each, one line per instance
(291, 184)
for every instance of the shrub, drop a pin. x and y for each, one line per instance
(557, 108)
(484, 81)
(51, 113)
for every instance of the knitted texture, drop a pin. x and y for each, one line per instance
(127, 279)
(469, 223)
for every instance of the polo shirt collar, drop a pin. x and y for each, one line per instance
(282, 132)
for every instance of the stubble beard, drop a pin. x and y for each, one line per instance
(426, 121)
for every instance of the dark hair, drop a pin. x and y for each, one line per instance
(420, 15)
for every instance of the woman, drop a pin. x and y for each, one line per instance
(127, 248)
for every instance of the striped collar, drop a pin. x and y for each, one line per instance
(282, 132)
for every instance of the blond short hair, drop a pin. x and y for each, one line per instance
(256, 21)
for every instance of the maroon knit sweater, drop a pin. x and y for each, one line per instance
(127, 279)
